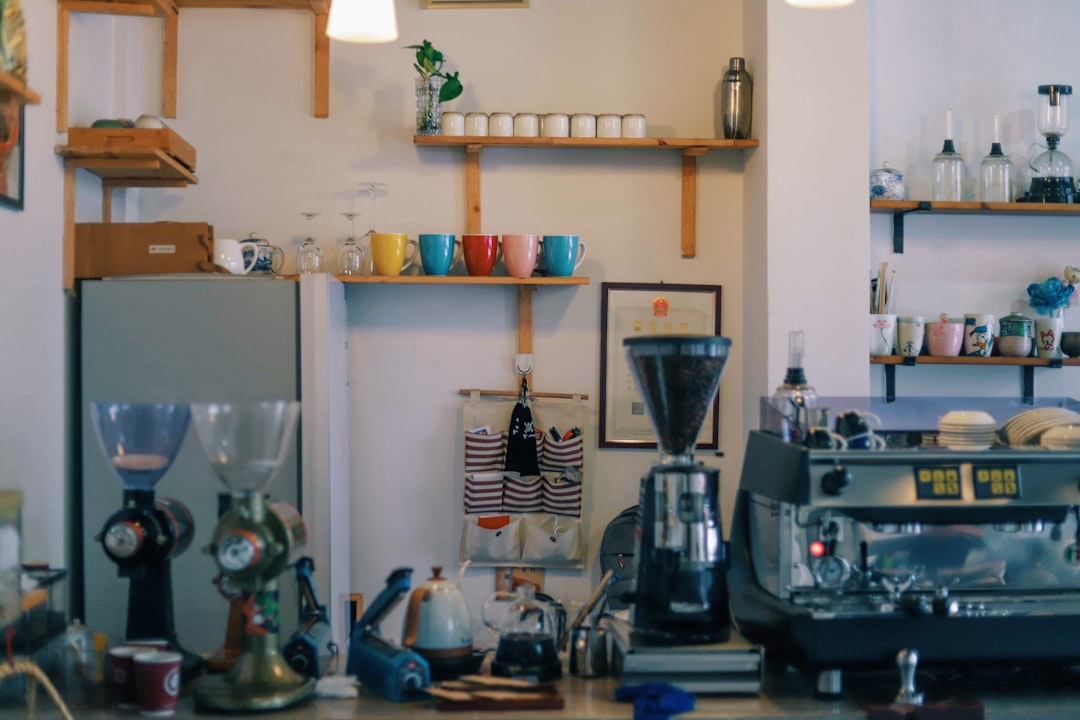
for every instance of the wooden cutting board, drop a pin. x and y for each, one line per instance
(537, 697)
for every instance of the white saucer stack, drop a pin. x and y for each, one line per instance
(1025, 429)
(967, 430)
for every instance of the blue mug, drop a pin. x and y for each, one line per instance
(439, 252)
(562, 254)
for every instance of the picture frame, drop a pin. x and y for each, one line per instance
(628, 309)
(12, 152)
(474, 4)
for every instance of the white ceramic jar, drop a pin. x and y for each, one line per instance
(526, 125)
(556, 125)
(453, 123)
(476, 124)
(501, 124)
(583, 126)
(633, 126)
(609, 126)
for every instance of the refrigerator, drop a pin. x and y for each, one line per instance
(214, 338)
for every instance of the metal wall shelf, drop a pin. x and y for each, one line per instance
(1027, 367)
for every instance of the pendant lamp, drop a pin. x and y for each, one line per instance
(362, 21)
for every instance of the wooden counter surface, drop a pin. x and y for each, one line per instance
(786, 696)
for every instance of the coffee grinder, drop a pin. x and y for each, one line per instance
(253, 543)
(680, 595)
(1052, 177)
(140, 442)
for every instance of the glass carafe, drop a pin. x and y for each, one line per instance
(527, 635)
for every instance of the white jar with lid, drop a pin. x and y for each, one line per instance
(501, 124)
(476, 124)
(556, 125)
(609, 126)
(583, 126)
(633, 126)
(526, 125)
(453, 123)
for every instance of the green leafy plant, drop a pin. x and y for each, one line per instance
(429, 62)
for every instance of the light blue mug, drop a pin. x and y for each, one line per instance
(439, 252)
(562, 254)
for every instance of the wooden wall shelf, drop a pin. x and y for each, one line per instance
(1027, 367)
(900, 208)
(169, 11)
(11, 86)
(691, 149)
(128, 166)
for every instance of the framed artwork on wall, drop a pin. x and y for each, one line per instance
(12, 153)
(636, 309)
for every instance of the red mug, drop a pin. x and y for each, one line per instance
(157, 682)
(122, 672)
(481, 252)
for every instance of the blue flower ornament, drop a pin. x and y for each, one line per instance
(1050, 295)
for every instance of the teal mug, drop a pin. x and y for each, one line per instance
(563, 254)
(439, 252)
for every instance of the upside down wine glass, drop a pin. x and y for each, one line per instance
(371, 188)
(309, 258)
(350, 260)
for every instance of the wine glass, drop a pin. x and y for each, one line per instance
(372, 188)
(309, 258)
(350, 259)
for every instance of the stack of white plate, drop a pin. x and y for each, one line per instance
(967, 430)
(1061, 437)
(1027, 427)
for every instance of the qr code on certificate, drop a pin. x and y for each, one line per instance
(637, 408)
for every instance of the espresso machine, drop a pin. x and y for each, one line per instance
(140, 442)
(680, 595)
(843, 559)
(252, 544)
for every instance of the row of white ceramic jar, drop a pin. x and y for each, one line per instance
(554, 125)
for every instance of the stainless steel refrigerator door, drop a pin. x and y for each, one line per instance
(213, 339)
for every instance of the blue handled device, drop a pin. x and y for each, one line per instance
(393, 672)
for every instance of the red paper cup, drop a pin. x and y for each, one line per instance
(157, 680)
(122, 673)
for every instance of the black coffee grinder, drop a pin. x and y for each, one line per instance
(680, 594)
(140, 442)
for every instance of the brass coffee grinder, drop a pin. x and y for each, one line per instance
(140, 442)
(253, 543)
(680, 596)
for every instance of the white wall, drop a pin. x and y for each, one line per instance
(957, 264)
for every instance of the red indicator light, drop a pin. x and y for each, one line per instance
(817, 548)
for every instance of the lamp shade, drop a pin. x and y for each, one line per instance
(362, 21)
(819, 3)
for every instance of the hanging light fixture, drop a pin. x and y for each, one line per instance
(819, 3)
(362, 21)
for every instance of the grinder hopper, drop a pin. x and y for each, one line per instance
(678, 376)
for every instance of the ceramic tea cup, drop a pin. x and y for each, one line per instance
(1070, 344)
(882, 334)
(481, 253)
(563, 254)
(439, 253)
(519, 254)
(945, 338)
(229, 254)
(910, 333)
(979, 332)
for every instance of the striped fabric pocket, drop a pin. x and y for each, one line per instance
(484, 452)
(560, 496)
(521, 494)
(483, 492)
(557, 455)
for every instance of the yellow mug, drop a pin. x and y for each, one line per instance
(388, 251)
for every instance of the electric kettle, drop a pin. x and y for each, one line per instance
(438, 628)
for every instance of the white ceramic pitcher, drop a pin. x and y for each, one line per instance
(229, 254)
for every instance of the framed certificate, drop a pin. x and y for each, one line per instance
(634, 310)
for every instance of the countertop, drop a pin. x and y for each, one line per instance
(786, 695)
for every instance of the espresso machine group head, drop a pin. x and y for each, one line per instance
(140, 442)
(680, 594)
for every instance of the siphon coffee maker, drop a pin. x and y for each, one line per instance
(253, 543)
(680, 592)
(140, 442)
(1052, 176)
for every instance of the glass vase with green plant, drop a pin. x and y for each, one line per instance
(433, 87)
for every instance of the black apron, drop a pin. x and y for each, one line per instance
(521, 437)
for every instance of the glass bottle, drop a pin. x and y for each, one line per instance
(948, 169)
(995, 173)
(736, 100)
(790, 404)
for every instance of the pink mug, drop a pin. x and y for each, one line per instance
(944, 339)
(519, 254)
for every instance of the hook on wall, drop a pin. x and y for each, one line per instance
(523, 363)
